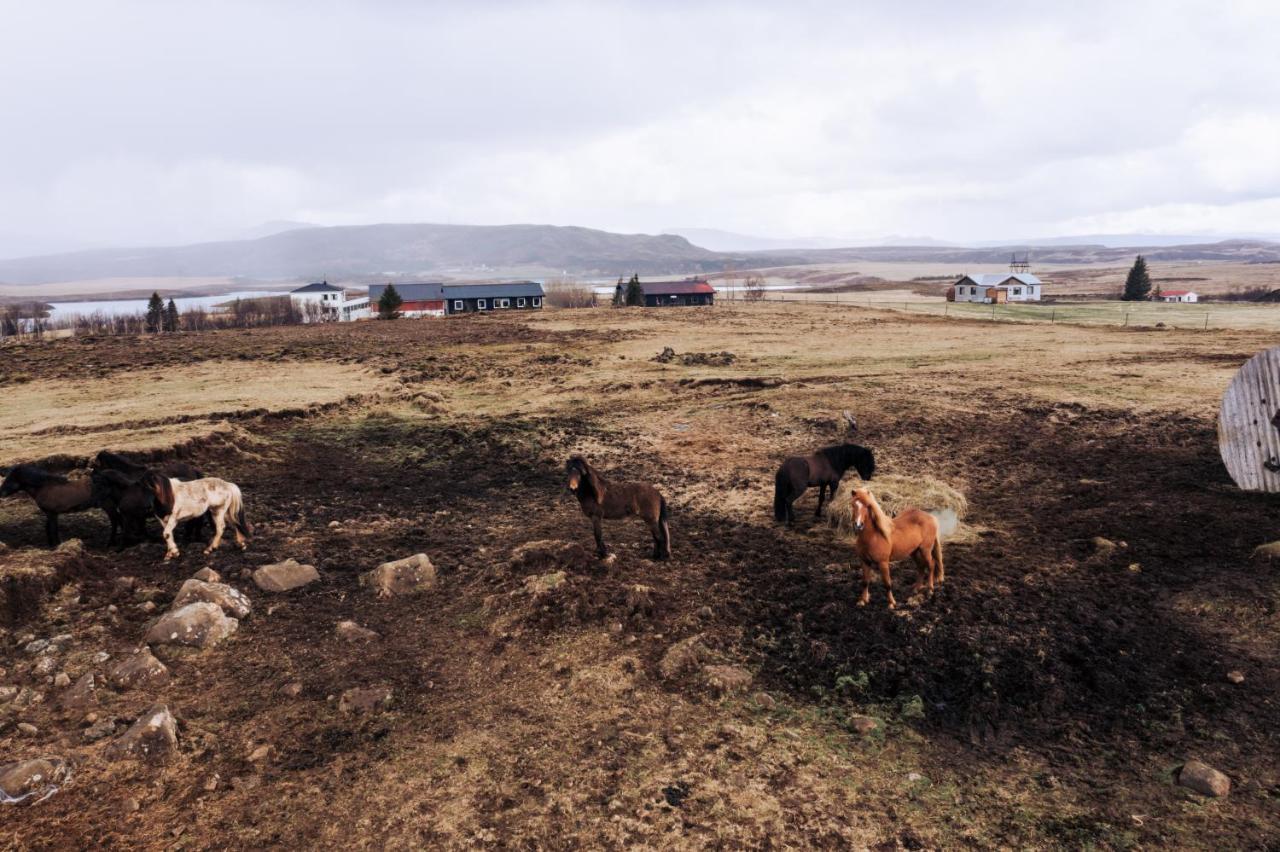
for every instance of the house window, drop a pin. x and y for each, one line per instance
(481, 304)
(502, 303)
(520, 303)
(457, 304)
(1017, 291)
(537, 301)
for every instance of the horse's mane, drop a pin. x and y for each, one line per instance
(845, 456)
(29, 474)
(883, 523)
(593, 480)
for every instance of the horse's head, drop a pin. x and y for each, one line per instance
(160, 489)
(10, 484)
(861, 507)
(860, 459)
(581, 473)
(21, 478)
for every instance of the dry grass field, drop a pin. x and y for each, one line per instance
(1044, 697)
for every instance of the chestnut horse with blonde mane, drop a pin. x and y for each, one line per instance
(884, 540)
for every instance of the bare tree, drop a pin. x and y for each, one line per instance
(753, 288)
(568, 293)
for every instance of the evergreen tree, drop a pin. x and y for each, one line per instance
(171, 316)
(1137, 287)
(155, 313)
(619, 294)
(635, 293)
(389, 303)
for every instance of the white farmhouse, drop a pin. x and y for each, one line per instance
(1179, 296)
(997, 287)
(323, 302)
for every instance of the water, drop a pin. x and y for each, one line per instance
(127, 307)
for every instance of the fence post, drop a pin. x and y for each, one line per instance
(945, 307)
(1126, 319)
(993, 311)
(1206, 322)
(1053, 315)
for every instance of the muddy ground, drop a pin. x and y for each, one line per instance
(1044, 697)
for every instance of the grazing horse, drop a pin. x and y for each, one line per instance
(191, 500)
(825, 468)
(608, 501)
(139, 506)
(54, 495)
(885, 540)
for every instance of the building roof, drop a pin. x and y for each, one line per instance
(432, 291)
(492, 291)
(998, 279)
(676, 288)
(318, 287)
(1177, 292)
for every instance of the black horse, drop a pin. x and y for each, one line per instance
(54, 495)
(825, 468)
(117, 480)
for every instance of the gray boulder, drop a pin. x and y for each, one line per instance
(284, 576)
(409, 576)
(154, 736)
(27, 778)
(138, 670)
(196, 625)
(232, 601)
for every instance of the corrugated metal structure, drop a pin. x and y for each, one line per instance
(1249, 424)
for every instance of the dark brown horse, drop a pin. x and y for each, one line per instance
(117, 478)
(107, 460)
(602, 500)
(54, 495)
(825, 469)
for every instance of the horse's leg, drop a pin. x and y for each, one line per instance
(888, 583)
(822, 490)
(117, 524)
(219, 523)
(866, 584)
(171, 547)
(924, 571)
(597, 527)
(51, 529)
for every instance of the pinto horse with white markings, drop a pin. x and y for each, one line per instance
(883, 540)
(187, 500)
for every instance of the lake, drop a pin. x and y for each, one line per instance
(63, 311)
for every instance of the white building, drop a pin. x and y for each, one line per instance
(997, 287)
(323, 302)
(1179, 296)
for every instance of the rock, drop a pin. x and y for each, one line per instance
(62, 640)
(27, 729)
(36, 646)
(364, 699)
(292, 689)
(260, 754)
(148, 607)
(1235, 676)
(8, 693)
(99, 729)
(100, 657)
(80, 696)
(765, 701)
(130, 805)
(27, 697)
(62, 681)
(728, 680)
(125, 584)
(409, 576)
(196, 625)
(683, 656)
(284, 576)
(207, 575)
(353, 632)
(211, 783)
(1267, 552)
(44, 665)
(863, 725)
(1204, 779)
(154, 736)
(26, 778)
(232, 601)
(541, 584)
(139, 670)
(333, 525)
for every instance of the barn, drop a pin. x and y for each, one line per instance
(998, 287)
(420, 300)
(469, 298)
(1187, 296)
(660, 294)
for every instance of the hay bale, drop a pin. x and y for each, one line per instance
(895, 492)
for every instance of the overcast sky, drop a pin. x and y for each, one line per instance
(160, 122)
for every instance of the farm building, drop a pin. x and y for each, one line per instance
(420, 300)
(1179, 296)
(997, 287)
(468, 298)
(658, 294)
(323, 302)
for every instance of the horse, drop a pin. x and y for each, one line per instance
(885, 540)
(191, 500)
(132, 503)
(825, 468)
(136, 507)
(54, 495)
(602, 500)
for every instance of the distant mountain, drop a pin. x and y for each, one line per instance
(268, 229)
(716, 240)
(1124, 240)
(339, 252)
(1240, 251)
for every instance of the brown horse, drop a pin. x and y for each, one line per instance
(825, 469)
(885, 540)
(54, 495)
(608, 501)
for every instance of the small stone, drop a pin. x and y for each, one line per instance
(409, 576)
(154, 736)
(62, 680)
(62, 640)
(333, 525)
(7, 694)
(863, 725)
(728, 680)
(36, 646)
(1204, 779)
(100, 657)
(765, 701)
(196, 625)
(260, 754)
(44, 665)
(284, 576)
(100, 729)
(126, 584)
(148, 606)
(915, 777)
(31, 777)
(138, 670)
(364, 699)
(1235, 676)
(353, 632)
(130, 805)
(207, 575)
(27, 697)
(112, 608)
(27, 729)
(232, 601)
(292, 689)
(211, 783)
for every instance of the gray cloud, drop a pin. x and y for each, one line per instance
(143, 122)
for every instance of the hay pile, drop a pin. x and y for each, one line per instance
(895, 492)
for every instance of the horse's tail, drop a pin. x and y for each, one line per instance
(237, 513)
(937, 556)
(663, 514)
